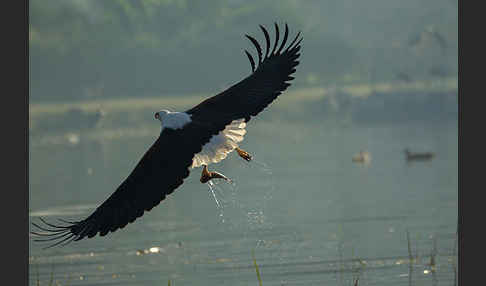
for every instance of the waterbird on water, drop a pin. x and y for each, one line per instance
(202, 135)
(362, 157)
(425, 156)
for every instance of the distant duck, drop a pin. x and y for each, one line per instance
(403, 76)
(362, 157)
(425, 156)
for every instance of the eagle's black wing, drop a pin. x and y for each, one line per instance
(160, 171)
(251, 95)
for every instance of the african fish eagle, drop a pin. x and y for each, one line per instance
(202, 135)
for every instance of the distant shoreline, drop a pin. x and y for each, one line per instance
(180, 102)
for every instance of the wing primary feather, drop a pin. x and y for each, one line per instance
(59, 242)
(293, 42)
(94, 229)
(267, 39)
(58, 236)
(257, 46)
(82, 232)
(64, 234)
(68, 221)
(71, 239)
(286, 34)
(277, 34)
(45, 234)
(52, 225)
(297, 45)
(49, 230)
(252, 62)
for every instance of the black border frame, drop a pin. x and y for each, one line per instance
(15, 129)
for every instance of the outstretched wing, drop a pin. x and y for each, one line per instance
(160, 171)
(166, 164)
(251, 95)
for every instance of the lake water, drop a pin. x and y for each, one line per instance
(302, 208)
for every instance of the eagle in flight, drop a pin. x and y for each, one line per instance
(202, 135)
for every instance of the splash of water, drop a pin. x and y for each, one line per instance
(212, 186)
(224, 193)
(216, 191)
(262, 166)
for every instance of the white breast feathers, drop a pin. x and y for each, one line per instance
(221, 145)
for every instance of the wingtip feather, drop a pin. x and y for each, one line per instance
(257, 46)
(267, 40)
(252, 61)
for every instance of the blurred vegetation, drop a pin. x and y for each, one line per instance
(87, 49)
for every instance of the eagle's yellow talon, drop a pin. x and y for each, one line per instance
(243, 154)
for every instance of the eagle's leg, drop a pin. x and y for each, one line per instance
(243, 154)
(206, 176)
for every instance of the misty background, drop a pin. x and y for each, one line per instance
(377, 76)
(83, 48)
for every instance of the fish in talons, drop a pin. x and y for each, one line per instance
(243, 154)
(206, 176)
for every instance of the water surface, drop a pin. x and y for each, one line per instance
(308, 213)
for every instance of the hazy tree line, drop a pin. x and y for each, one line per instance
(88, 48)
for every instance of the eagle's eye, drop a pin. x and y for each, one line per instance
(157, 116)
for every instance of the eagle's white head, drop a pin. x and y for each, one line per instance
(160, 115)
(173, 120)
